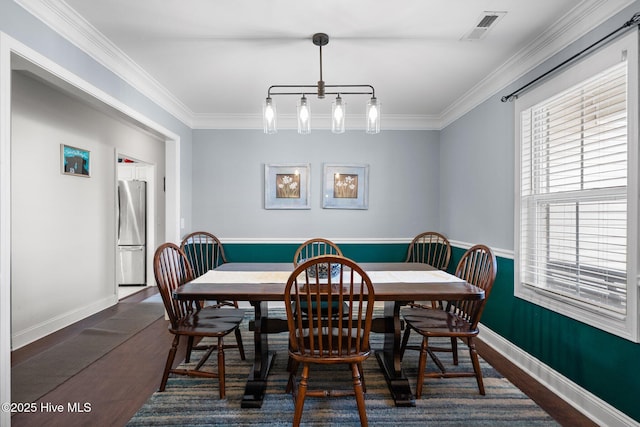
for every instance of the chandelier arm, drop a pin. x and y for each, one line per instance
(349, 93)
(290, 93)
(288, 86)
(371, 92)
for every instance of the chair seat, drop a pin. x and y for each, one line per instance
(331, 360)
(232, 314)
(438, 323)
(209, 322)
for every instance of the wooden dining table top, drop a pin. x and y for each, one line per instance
(418, 289)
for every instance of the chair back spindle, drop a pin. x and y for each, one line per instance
(430, 248)
(313, 248)
(478, 267)
(204, 251)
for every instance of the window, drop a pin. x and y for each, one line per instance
(577, 172)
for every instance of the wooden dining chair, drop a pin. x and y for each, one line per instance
(315, 247)
(316, 339)
(458, 320)
(187, 318)
(205, 252)
(430, 248)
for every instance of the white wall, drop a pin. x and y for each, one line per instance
(228, 184)
(63, 227)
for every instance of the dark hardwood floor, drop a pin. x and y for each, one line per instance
(116, 390)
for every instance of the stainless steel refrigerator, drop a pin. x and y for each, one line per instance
(132, 232)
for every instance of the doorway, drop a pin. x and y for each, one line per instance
(131, 169)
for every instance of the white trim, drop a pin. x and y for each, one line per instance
(64, 20)
(320, 122)
(575, 24)
(5, 226)
(298, 240)
(35, 332)
(593, 407)
(502, 253)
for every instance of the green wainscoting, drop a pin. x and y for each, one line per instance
(283, 252)
(605, 365)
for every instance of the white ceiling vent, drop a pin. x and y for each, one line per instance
(486, 21)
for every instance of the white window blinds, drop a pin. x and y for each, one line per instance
(573, 192)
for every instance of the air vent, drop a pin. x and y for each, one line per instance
(486, 21)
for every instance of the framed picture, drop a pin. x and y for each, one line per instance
(286, 186)
(75, 161)
(345, 187)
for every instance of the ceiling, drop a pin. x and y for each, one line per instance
(211, 62)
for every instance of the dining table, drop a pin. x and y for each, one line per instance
(395, 284)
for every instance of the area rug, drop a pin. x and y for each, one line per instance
(445, 402)
(40, 374)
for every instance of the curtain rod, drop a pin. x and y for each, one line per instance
(635, 20)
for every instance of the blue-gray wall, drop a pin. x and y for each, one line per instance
(228, 183)
(477, 167)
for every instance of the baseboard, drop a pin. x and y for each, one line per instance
(40, 330)
(593, 407)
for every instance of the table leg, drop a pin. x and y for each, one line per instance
(389, 357)
(256, 387)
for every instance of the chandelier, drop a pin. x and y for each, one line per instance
(338, 107)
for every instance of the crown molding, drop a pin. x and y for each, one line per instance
(319, 122)
(65, 21)
(69, 24)
(588, 15)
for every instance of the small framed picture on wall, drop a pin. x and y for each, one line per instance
(75, 161)
(345, 187)
(286, 186)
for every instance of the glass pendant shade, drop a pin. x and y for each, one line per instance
(269, 116)
(373, 116)
(338, 111)
(304, 116)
